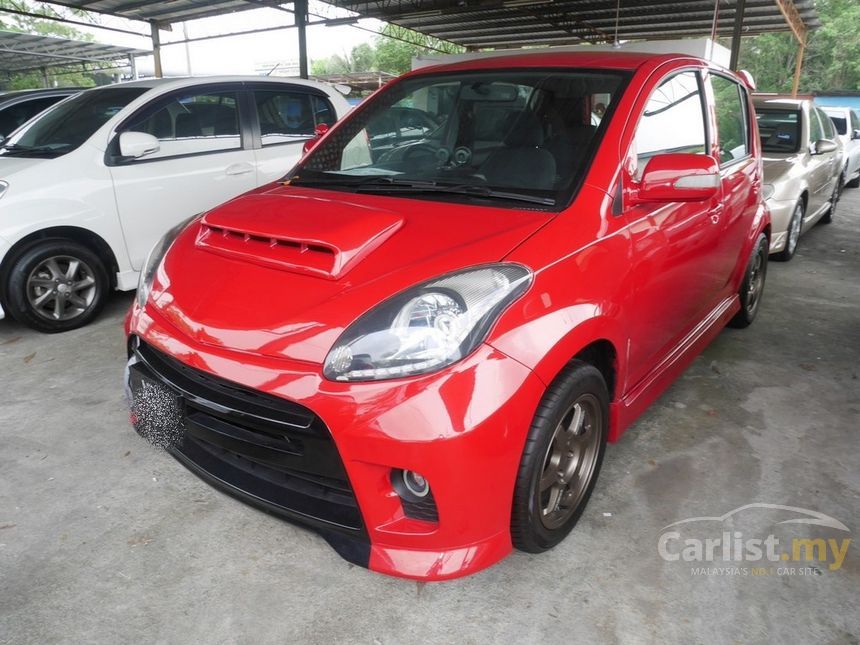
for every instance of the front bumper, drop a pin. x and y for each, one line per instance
(780, 217)
(463, 429)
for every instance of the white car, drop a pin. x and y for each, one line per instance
(847, 123)
(87, 188)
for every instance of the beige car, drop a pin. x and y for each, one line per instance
(802, 164)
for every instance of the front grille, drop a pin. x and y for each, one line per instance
(265, 449)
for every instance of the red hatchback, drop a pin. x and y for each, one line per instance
(419, 343)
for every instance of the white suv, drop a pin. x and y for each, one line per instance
(87, 188)
(847, 123)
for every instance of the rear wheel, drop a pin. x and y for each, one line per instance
(57, 285)
(854, 183)
(561, 459)
(792, 235)
(752, 285)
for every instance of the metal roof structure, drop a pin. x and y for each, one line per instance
(22, 52)
(516, 23)
(165, 12)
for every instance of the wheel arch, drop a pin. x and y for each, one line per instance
(85, 237)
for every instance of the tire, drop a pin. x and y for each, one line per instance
(567, 439)
(795, 228)
(854, 183)
(834, 199)
(752, 286)
(57, 285)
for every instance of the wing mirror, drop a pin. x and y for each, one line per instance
(855, 134)
(823, 146)
(677, 177)
(137, 144)
(319, 132)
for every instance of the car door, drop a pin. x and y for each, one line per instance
(739, 172)
(820, 168)
(203, 160)
(675, 245)
(285, 116)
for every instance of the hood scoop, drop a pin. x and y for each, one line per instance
(299, 234)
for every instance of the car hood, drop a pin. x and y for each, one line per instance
(282, 271)
(11, 166)
(777, 168)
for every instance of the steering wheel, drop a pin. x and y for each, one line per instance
(418, 149)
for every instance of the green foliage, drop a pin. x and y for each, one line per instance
(831, 61)
(390, 52)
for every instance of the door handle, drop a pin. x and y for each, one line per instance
(239, 168)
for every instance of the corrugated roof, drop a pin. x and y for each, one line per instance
(167, 11)
(517, 23)
(20, 52)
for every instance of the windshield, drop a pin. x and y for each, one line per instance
(70, 123)
(508, 136)
(779, 130)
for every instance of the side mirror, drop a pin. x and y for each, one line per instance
(319, 132)
(678, 177)
(823, 146)
(855, 134)
(137, 144)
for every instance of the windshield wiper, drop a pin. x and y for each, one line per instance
(393, 185)
(36, 150)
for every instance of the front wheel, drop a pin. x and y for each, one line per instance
(561, 459)
(752, 285)
(57, 285)
(834, 199)
(792, 235)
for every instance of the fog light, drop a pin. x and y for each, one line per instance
(415, 483)
(415, 495)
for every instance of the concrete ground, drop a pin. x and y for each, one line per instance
(105, 539)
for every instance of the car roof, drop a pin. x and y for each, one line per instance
(784, 103)
(595, 60)
(48, 91)
(193, 81)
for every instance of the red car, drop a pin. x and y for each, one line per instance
(420, 351)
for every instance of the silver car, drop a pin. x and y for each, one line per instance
(802, 167)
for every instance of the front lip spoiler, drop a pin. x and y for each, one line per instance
(352, 549)
(350, 543)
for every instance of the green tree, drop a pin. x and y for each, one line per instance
(831, 60)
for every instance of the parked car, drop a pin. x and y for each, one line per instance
(88, 187)
(16, 108)
(422, 356)
(847, 124)
(802, 169)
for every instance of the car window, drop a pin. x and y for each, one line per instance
(673, 121)
(521, 135)
(826, 124)
(66, 126)
(191, 124)
(815, 131)
(839, 121)
(284, 115)
(730, 106)
(323, 111)
(855, 120)
(778, 129)
(16, 115)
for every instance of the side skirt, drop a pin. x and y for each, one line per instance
(624, 412)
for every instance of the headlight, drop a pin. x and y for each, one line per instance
(427, 327)
(767, 191)
(4, 186)
(153, 261)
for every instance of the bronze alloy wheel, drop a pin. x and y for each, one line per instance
(569, 463)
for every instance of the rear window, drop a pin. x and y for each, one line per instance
(779, 129)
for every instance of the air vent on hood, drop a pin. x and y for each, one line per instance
(295, 255)
(296, 235)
